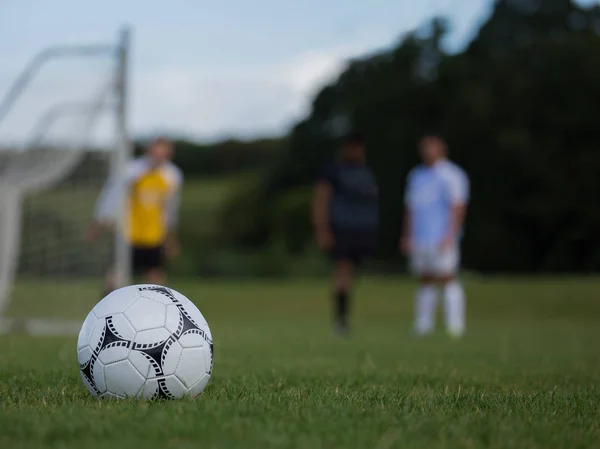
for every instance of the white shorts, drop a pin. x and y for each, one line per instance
(435, 262)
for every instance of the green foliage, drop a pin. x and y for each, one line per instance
(216, 208)
(526, 375)
(290, 218)
(518, 108)
(243, 218)
(213, 209)
(229, 156)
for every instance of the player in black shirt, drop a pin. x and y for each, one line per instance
(346, 219)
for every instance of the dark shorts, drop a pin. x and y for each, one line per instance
(353, 245)
(144, 259)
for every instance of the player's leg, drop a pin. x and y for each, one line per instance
(342, 285)
(454, 306)
(111, 279)
(425, 306)
(426, 294)
(343, 272)
(454, 296)
(153, 266)
(110, 282)
(155, 276)
(352, 248)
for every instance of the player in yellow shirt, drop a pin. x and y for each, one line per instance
(153, 190)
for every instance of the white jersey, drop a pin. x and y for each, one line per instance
(431, 192)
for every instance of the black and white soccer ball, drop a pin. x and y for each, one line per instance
(145, 341)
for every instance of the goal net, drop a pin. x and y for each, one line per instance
(62, 132)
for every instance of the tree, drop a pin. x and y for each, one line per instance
(518, 108)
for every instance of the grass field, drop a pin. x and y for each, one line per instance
(527, 375)
(201, 197)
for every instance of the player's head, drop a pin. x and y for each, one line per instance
(160, 150)
(353, 149)
(432, 148)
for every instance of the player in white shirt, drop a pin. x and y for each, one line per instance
(437, 193)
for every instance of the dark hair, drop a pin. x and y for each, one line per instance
(353, 139)
(434, 134)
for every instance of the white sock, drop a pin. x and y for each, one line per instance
(425, 302)
(454, 299)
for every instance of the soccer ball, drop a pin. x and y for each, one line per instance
(145, 341)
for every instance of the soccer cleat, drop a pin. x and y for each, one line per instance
(456, 333)
(341, 328)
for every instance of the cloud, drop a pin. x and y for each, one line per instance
(209, 102)
(245, 101)
(55, 103)
(199, 102)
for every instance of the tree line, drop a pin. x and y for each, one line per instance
(226, 157)
(519, 109)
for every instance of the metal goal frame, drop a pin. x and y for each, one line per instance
(12, 190)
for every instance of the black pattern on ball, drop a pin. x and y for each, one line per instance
(155, 353)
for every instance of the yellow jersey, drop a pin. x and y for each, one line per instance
(152, 205)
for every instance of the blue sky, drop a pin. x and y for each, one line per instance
(208, 69)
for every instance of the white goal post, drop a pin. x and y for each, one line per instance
(48, 184)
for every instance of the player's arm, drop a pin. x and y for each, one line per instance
(107, 203)
(322, 195)
(406, 233)
(459, 195)
(172, 219)
(457, 218)
(104, 210)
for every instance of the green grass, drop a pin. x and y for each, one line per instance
(202, 201)
(527, 375)
(54, 224)
(202, 194)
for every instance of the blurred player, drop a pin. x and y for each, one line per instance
(346, 218)
(153, 186)
(437, 193)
